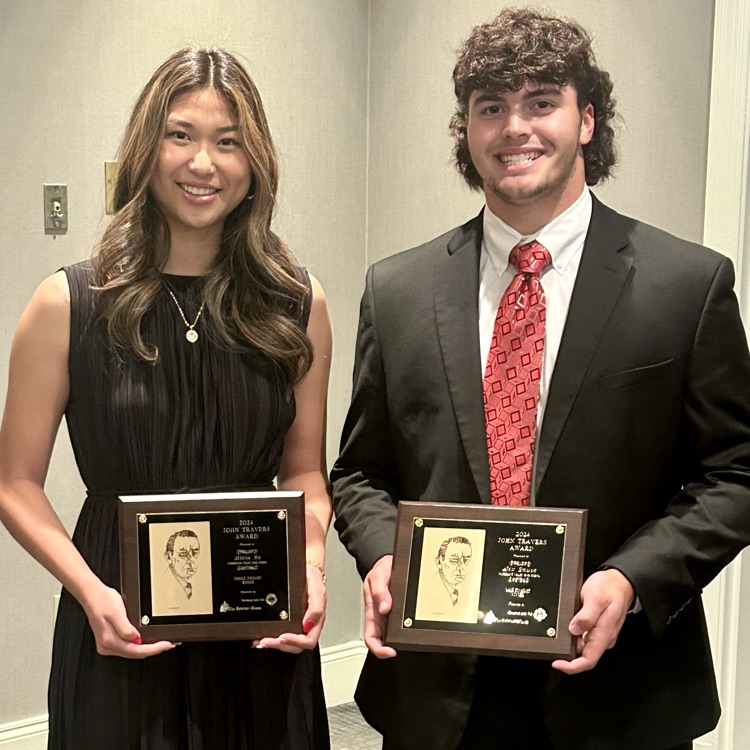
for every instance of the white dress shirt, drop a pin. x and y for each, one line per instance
(563, 237)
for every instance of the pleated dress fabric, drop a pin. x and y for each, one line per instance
(200, 418)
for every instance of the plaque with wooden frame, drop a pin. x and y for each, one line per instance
(213, 566)
(483, 579)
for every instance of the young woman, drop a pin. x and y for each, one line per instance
(191, 352)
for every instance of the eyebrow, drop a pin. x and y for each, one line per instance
(493, 96)
(186, 124)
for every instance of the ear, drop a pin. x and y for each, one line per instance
(587, 125)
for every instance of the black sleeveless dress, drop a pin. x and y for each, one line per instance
(200, 418)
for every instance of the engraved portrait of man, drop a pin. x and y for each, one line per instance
(181, 554)
(452, 562)
(180, 568)
(450, 576)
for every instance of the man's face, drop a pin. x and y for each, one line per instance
(453, 566)
(184, 557)
(527, 147)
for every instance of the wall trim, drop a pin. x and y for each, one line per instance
(725, 228)
(26, 729)
(728, 136)
(341, 667)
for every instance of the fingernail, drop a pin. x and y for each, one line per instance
(307, 626)
(260, 646)
(137, 640)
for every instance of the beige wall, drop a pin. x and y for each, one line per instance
(70, 72)
(659, 56)
(70, 75)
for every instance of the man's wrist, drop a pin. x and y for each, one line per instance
(635, 603)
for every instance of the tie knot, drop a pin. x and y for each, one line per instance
(531, 257)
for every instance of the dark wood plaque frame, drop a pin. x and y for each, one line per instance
(211, 508)
(410, 634)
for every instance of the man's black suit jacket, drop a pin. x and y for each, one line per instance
(647, 425)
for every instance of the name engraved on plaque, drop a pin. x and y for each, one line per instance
(528, 559)
(248, 563)
(255, 583)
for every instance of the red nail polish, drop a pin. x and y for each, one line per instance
(137, 640)
(307, 626)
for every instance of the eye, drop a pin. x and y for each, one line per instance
(229, 142)
(543, 105)
(490, 109)
(177, 135)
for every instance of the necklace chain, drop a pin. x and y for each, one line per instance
(191, 334)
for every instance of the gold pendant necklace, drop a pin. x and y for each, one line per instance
(191, 334)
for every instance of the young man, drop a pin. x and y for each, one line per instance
(552, 352)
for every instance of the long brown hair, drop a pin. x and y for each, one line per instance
(253, 293)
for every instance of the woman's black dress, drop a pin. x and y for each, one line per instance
(201, 418)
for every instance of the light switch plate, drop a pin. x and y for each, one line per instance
(55, 209)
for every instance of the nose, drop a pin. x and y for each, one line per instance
(201, 163)
(516, 125)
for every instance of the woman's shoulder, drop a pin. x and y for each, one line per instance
(83, 270)
(80, 279)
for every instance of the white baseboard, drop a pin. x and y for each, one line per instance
(27, 734)
(341, 667)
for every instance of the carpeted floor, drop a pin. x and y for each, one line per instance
(349, 731)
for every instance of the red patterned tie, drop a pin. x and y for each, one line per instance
(511, 380)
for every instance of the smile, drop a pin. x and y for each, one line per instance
(525, 158)
(191, 190)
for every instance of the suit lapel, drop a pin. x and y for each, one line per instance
(456, 285)
(605, 266)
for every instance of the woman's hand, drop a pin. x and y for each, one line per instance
(114, 633)
(312, 622)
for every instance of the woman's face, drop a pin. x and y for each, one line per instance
(203, 172)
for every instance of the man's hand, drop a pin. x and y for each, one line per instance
(606, 598)
(377, 605)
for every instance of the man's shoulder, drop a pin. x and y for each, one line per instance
(652, 241)
(422, 257)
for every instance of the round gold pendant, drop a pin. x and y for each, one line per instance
(192, 335)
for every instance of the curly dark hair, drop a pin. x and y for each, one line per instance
(524, 46)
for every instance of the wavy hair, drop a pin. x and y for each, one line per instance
(253, 292)
(523, 46)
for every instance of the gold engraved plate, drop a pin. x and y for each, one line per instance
(191, 335)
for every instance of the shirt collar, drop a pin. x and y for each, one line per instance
(563, 236)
